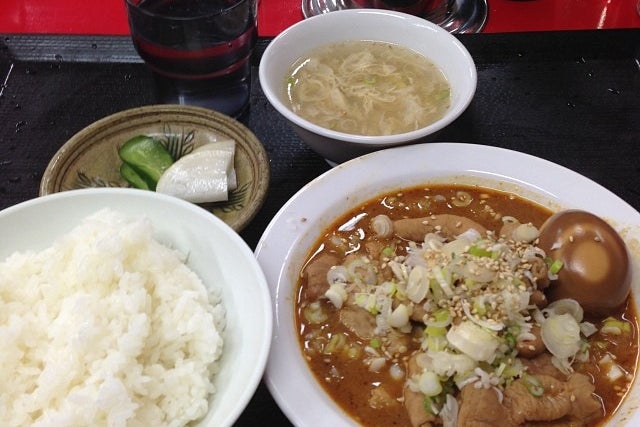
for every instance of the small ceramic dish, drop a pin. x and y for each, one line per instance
(90, 157)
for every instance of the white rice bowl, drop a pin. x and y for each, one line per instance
(103, 323)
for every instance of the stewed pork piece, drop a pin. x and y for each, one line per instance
(415, 229)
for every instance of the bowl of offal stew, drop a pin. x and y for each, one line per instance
(356, 81)
(473, 286)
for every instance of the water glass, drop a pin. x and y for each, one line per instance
(199, 50)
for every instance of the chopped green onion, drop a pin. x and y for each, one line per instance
(354, 351)
(336, 294)
(565, 306)
(436, 290)
(314, 314)
(500, 369)
(442, 315)
(510, 371)
(418, 284)
(479, 307)
(470, 283)
(375, 343)
(514, 330)
(473, 340)
(433, 404)
(390, 288)
(336, 342)
(555, 266)
(613, 326)
(368, 302)
(388, 251)
(399, 317)
(584, 347)
(430, 405)
(435, 343)
(510, 340)
(511, 336)
(429, 384)
(533, 384)
(561, 335)
(480, 252)
(435, 331)
(443, 94)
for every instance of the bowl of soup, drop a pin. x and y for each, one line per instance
(433, 293)
(355, 81)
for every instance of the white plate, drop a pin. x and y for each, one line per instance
(298, 225)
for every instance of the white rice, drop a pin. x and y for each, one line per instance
(106, 327)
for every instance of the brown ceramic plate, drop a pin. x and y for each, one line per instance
(90, 157)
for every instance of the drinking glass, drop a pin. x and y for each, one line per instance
(198, 50)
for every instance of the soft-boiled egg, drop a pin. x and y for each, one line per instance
(596, 268)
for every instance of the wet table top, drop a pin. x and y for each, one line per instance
(572, 100)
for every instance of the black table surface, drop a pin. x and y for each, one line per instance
(569, 97)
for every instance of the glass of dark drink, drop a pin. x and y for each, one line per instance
(199, 50)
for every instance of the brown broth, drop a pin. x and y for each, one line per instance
(349, 382)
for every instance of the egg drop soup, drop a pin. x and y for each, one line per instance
(367, 88)
(430, 307)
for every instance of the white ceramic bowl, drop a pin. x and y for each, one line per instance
(216, 253)
(418, 34)
(299, 224)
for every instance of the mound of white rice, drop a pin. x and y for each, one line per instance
(106, 327)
